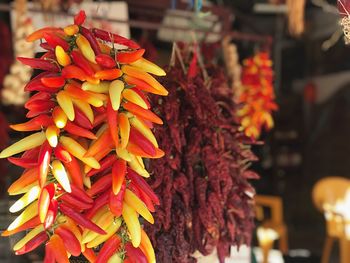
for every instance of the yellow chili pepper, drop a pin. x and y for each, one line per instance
(25, 144)
(115, 259)
(52, 133)
(124, 129)
(123, 154)
(135, 98)
(138, 73)
(71, 30)
(60, 173)
(143, 129)
(147, 248)
(59, 117)
(26, 199)
(85, 48)
(136, 166)
(115, 90)
(35, 231)
(62, 57)
(85, 108)
(103, 222)
(65, 102)
(148, 66)
(78, 151)
(102, 87)
(28, 213)
(111, 230)
(132, 222)
(133, 201)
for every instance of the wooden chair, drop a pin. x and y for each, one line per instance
(275, 222)
(325, 195)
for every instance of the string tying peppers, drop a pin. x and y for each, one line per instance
(83, 187)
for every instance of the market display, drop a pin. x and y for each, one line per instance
(206, 199)
(256, 95)
(84, 181)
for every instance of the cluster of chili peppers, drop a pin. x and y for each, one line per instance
(256, 95)
(83, 182)
(206, 199)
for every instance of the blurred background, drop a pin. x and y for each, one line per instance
(310, 139)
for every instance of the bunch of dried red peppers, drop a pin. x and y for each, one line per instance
(83, 187)
(206, 199)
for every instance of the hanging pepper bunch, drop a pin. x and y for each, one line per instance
(256, 95)
(206, 199)
(83, 185)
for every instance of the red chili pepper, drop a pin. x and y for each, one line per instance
(92, 40)
(74, 72)
(49, 55)
(35, 221)
(51, 214)
(54, 40)
(59, 250)
(36, 85)
(108, 249)
(40, 105)
(142, 113)
(116, 201)
(38, 96)
(32, 153)
(89, 254)
(147, 200)
(24, 162)
(81, 119)
(49, 256)
(80, 219)
(44, 160)
(46, 46)
(105, 164)
(118, 175)
(79, 18)
(143, 96)
(74, 202)
(140, 183)
(129, 57)
(82, 62)
(80, 194)
(105, 61)
(108, 74)
(46, 195)
(34, 124)
(100, 201)
(33, 243)
(70, 241)
(105, 141)
(62, 154)
(101, 109)
(53, 82)
(112, 117)
(39, 64)
(74, 170)
(99, 119)
(114, 38)
(135, 254)
(77, 130)
(100, 185)
(137, 138)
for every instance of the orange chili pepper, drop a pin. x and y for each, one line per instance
(142, 113)
(112, 117)
(59, 250)
(108, 74)
(118, 175)
(129, 57)
(101, 143)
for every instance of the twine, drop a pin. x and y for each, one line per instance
(345, 23)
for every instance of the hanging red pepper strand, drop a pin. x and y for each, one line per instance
(80, 219)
